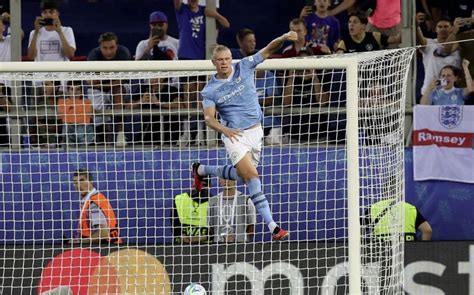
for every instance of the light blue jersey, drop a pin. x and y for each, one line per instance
(454, 96)
(236, 98)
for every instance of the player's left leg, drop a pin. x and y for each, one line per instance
(249, 174)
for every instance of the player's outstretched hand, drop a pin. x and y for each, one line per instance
(291, 36)
(232, 134)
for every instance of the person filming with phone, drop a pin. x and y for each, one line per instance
(443, 91)
(158, 46)
(50, 41)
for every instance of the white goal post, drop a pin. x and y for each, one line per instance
(367, 167)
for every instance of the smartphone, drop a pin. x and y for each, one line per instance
(155, 32)
(466, 21)
(442, 82)
(311, 3)
(47, 22)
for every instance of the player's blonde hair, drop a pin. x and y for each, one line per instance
(217, 49)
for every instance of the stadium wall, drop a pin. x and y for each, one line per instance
(40, 205)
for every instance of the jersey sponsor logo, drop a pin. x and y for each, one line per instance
(425, 137)
(450, 116)
(228, 97)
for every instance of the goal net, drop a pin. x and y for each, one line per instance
(97, 194)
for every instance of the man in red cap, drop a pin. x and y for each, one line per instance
(158, 46)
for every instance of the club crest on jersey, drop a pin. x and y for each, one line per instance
(450, 116)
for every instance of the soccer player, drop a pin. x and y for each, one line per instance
(231, 92)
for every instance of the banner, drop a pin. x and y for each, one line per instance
(304, 268)
(443, 143)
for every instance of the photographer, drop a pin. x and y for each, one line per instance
(50, 41)
(443, 92)
(158, 46)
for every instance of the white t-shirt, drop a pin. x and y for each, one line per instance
(5, 49)
(168, 43)
(48, 44)
(5, 55)
(433, 64)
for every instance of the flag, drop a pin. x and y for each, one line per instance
(443, 143)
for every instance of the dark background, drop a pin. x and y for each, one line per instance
(129, 19)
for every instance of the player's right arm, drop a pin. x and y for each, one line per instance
(212, 122)
(277, 43)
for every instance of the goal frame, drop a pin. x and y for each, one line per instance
(348, 63)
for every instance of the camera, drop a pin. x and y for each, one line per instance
(442, 82)
(47, 22)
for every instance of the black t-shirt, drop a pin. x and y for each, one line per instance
(122, 54)
(369, 43)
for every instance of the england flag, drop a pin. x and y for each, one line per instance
(443, 143)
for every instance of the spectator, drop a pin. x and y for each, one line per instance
(385, 18)
(5, 44)
(247, 44)
(381, 220)
(109, 49)
(269, 95)
(5, 107)
(97, 223)
(50, 41)
(435, 54)
(159, 94)
(444, 92)
(303, 90)
(360, 41)
(193, 126)
(115, 94)
(190, 216)
(296, 25)
(323, 30)
(100, 92)
(44, 128)
(192, 28)
(76, 115)
(231, 215)
(158, 46)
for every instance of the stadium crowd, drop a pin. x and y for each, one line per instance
(82, 108)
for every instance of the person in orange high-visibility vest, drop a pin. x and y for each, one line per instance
(97, 223)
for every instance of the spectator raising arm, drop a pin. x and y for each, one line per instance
(219, 18)
(345, 5)
(425, 99)
(32, 46)
(469, 86)
(68, 50)
(420, 39)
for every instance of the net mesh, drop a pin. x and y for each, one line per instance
(136, 135)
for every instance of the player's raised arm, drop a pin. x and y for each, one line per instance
(277, 43)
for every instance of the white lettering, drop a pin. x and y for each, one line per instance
(257, 278)
(426, 136)
(229, 96)
(411, 287)
(468, 268)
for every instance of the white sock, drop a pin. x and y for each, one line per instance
(201, 170)
(272, 225)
